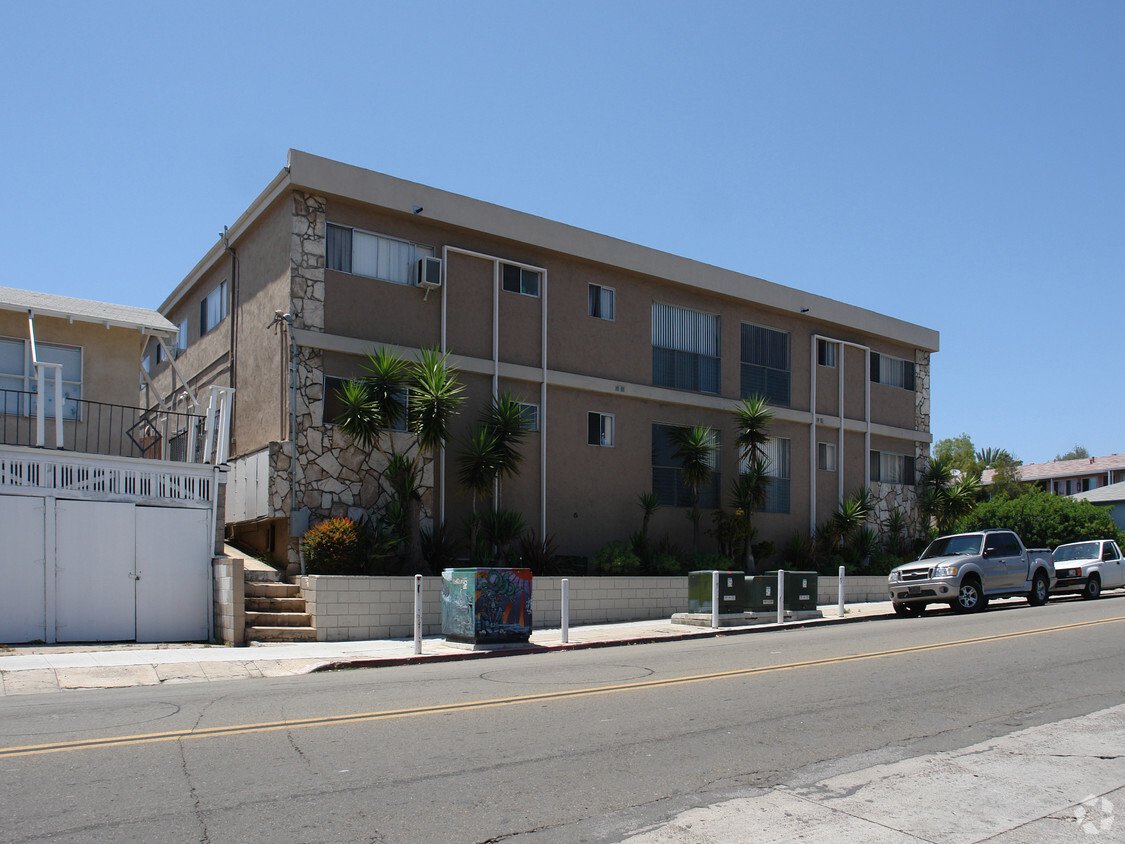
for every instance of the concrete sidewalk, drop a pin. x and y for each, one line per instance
(35, 669)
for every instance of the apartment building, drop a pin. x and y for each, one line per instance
(608, 344)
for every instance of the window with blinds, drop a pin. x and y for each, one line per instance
(601, 301)
(778, 469)
(667, 477)
(372, 255)
(891, 468)
(685, 349)
(894, 372)
(765, 363)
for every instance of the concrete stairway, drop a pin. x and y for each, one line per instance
(275, 611)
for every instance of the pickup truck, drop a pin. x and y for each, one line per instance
(966, 570)
(1089, 567)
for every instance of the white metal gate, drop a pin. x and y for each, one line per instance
(104, 549)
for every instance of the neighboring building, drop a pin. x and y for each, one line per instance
(1067, 477)
(107, 513)
(608, 343)
(1112, 497)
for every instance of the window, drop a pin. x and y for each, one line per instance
(685, 349)
(334, 403)
(778, 469)
(17, 375)
(181, 337)
(826, 457)
(160, 356)
(372, 255)
(601, 301)
(894, 372)
(520, 280)
(892, 468)
(667, 482)
(213, 308)
(826, 352)
(599, 429)
(765, 363)
(529, 416)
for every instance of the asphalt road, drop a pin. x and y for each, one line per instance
(574, 746)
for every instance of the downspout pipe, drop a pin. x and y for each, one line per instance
(232, 378)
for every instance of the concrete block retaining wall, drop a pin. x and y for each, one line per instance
(229, 600)
(356, 608)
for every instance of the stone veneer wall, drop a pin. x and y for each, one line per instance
(358, 608)
(334, 476)
(892, 497)
(229, 600)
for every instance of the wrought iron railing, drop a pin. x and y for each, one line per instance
(92, 427)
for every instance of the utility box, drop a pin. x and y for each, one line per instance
(486, 605)
(732, 591)
(800, 589)
(761, 594)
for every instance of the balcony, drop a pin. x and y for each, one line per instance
(111, 430)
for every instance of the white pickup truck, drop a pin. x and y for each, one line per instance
(966, 570)
(1089, 567)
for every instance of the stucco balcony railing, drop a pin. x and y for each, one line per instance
(92, 427)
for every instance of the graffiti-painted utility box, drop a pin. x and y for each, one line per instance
(485, 606)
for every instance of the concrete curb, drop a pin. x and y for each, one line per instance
(415, 659)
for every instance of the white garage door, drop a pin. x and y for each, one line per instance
(95, 590)
(173, 575)
(22, 565)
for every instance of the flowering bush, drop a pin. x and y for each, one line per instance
(334, 546)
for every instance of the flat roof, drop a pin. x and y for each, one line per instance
(333, 178)
(85, 310)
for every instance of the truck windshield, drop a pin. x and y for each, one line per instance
(967, 544)
(1078, 551)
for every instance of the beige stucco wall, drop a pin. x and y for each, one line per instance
(110, 357)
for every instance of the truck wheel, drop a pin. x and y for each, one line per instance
(969, 597)
(1093, 588)
(1040, 590)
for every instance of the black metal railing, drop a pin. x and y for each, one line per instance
(92, 427)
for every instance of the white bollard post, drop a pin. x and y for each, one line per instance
(780, 596)
(714, 600)
(417, 614)
(841, 600)
(565, 610)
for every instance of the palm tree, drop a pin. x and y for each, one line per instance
(505, 419)
(694, 449)
(750, 491)
(374, 404)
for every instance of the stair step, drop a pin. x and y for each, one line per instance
(280, 634)
(256, 589)
(278, 619)
(275, 604)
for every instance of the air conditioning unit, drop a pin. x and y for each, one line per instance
(429, 273)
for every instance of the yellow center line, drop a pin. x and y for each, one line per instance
(362, 717)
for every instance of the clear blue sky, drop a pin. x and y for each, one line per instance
(960, 165)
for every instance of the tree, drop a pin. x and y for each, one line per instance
(956, 453)
(426, 393)
(945, 494)
(694, 449)
(490, 454)
(1076, 453)
(751, 488)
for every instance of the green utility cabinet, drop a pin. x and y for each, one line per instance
(800, 589)
(761, 594)
(732, 591)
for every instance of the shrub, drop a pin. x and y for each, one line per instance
(539, 556)
(334, 546)
(1043, 520)
(616, 558)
